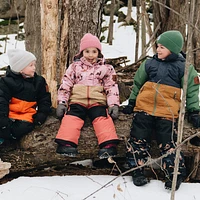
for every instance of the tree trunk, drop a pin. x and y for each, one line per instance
(32, 26)
(55, 33)
(84, 17)
(196, 37)
(111, 23)
(172, 15)
(137, 31)
(49, 32)
(36, 153)
(129, 17)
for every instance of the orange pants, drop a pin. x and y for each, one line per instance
(73, 121)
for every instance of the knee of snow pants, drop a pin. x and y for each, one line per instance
(16, 130)
(104, 129)
(70, 129)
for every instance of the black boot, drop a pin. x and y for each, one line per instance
(138, 178)
(67, 150)
(168, 182)
(195, 141)
(107, 151)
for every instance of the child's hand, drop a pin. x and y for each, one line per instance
(39, 118)
(5, 122)
(194, 119)
(128, 109)
(113, 112)
(61, 110)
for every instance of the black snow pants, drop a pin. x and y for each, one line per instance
(165, 130)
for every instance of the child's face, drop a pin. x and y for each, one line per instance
(162, 51)
(30, 69)
(91, 54)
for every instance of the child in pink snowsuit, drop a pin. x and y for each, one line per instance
(88, 88)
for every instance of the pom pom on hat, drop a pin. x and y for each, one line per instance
(19, 59)
(88, 41)
(172, 40)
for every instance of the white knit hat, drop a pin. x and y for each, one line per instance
(19, 59)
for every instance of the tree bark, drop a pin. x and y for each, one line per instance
(84, 17)
(55, 32)
(111, 23)
(36, 153)
(32, 26)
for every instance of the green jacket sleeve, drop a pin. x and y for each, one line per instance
(192, 96)
(139, 79)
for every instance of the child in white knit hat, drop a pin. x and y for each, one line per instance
(24, 97)
(88, 88)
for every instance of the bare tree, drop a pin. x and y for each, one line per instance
(173, 15)
(110, 29)
(128, 17)
(182, 109)
(137, 30)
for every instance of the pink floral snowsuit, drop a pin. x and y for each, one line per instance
(88, 89)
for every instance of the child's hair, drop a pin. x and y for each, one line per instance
(172, 40)
(19, 59)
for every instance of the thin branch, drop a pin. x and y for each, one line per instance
(149, 162)
(182, 110)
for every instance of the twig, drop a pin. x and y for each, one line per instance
(146, 164)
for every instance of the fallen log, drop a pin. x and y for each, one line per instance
(36, 153)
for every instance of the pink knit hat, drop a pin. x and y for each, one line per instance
(89, 40)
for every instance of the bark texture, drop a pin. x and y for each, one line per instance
(32, 26)
(84, 17)
(36, 153)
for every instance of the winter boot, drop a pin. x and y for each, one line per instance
(107, 151)
(168, 182)
(195, 141)
(67, 150)
(138, 177)
(1, 141)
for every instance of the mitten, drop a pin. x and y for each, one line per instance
(39, 118)
(194, 118)
(61, 110)
(5, 122)
(129, 108)
(113, 111)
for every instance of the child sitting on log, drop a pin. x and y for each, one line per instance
(88, 88)
(155, 104)
(24, 97)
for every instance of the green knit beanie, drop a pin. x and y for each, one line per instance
(172, 40)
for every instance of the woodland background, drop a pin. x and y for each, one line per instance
(52, 30)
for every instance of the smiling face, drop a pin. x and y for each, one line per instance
(30, 69)
(162, 51)
(91, 54)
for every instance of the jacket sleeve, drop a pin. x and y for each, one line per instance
(5, 96)
(192, 96)
(67, 84)
(44, 98)
(111, 87)
(139, 79)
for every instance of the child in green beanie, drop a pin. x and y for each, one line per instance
(155, 104)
